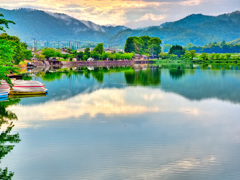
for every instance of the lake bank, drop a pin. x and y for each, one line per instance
(82, 63)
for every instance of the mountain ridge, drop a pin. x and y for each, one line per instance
(198, 29)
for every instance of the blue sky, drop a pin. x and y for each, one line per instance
(131, 13)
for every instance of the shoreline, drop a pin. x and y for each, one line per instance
(81, 63)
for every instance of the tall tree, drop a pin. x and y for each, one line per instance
(145, 40)
(87, 52)
(177, 50)
(154, 47)
(99, 49)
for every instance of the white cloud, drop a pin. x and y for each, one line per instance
(153, 17)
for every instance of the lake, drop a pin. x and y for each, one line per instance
(124, 123)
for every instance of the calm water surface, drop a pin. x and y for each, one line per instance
(121, 123)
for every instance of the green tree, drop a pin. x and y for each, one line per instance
(19, 50)
(129, 45)
(28, 54)
(87, 52)
(154, 47)
(190, 54)
(145, 40)
(4, 23)
(177, 50)
(163, 55)
(134, 44)
(6, 55)
(80, 55)
(49, 52)
(99, 49)
(204, 56)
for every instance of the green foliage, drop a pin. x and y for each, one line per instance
(221, 47)
(134, 44)
(99, 49)
(146, 41)
(49, 52)
(190, 54)
(6, 55)
(28, 54)
(4, 22)
(176, 73)
(173, 57)
(163, 55)
(80, 55)
(154, 46)
(143, 77)
(177, 50)
(204, 56)
(6, 138)
(87, 52)
(40, 56)
(20, 50)
(143, 45)
(65, 56)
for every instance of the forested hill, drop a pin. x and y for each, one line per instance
(45, 26)
(197, 29)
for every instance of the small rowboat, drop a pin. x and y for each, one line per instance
(4, 93)
(28, 91)
(30, 84)
(4, 86)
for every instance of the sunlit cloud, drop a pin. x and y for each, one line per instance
(152, 17)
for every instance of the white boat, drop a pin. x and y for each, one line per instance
(23, 83)
(27, 90)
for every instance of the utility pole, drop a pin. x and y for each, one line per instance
(34, 46)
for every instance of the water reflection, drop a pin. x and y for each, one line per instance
(6, 138)
(193, 82)
(176, 73)
(148, 77)
(122, 123)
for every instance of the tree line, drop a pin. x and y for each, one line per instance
(220, 47)
(98, 53)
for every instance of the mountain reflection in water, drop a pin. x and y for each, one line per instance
(125, 123)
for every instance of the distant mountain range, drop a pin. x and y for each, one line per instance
(196, 28)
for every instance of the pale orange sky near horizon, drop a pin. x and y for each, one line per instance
(131, 13)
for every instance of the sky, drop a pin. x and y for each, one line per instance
(130, 13)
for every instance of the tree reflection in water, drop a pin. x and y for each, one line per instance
(151, 76)
(6, 138)
(177, 73)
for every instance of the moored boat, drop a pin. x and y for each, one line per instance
(27, 90)
(4, 93)
(30, 84)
